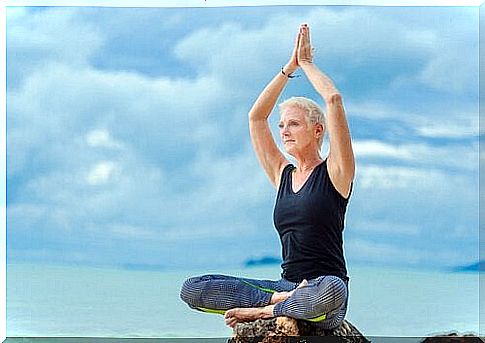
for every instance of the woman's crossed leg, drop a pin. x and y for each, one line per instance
(322, 299)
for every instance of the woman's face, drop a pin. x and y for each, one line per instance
(296, 133)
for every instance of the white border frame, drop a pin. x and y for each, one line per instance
(149, 3)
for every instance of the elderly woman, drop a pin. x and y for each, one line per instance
(309, 212)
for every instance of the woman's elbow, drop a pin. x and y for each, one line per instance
(254, 116)
(334, 99)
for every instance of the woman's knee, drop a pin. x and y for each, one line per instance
(191, 290)
(332, 294)
(339, 289)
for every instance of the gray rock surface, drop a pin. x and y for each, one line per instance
(453, 338)
(284, 329)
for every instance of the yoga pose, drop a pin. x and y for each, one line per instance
(309, 212)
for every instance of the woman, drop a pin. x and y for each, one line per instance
(309, 212)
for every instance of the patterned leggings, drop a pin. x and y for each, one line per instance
(324, 300)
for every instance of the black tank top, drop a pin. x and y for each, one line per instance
(310, 224)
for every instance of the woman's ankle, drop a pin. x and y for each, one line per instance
(278, 297)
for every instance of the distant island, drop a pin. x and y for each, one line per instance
(272, 260)
(475, 267)
(263, 261)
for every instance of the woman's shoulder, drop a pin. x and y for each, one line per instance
(285, 170)
(335, 187)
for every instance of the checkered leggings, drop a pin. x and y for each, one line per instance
(324, 300)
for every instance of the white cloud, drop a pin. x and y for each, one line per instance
(424, 38)
(228, 178)
(55, 34)
(149, 115)
(417, 185)
(456, 156)
(39, 37)
(466, 127)
(102, 139)
(444, 58)
(426, 205)
(364, 148)
(224, 229)
(376, 109)
(379, 109)
(437, 122)
(169, 142)
(453, 71)
(100, 173)
(390, 177)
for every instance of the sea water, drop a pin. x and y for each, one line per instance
(74, 301)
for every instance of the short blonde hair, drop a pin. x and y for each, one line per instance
(313, 112)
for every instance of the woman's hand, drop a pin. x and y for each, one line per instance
(292, 64)
(305, 50)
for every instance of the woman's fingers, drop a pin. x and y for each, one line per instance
(304, 49)
(306, 35)
(295, 49)
(307, 29)
(229, 319)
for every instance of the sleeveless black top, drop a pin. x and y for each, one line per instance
(310, 224)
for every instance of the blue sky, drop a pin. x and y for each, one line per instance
(127, 139)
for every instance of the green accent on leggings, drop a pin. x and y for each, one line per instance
(318, 319)
(222, 312)
(267, 290)
(210, 310)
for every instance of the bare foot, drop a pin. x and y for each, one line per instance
(241, 314)
(281, 296)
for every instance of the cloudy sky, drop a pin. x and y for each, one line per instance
(128, 143)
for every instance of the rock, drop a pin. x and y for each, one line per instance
(453, 338)
(285, 329)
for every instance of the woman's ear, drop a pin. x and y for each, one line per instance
(319, 130)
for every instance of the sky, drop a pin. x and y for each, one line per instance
(128, 141)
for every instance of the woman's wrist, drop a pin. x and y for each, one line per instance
(306, 64)
(288, 70)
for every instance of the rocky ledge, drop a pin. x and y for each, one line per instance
(289, 330)
(284, 329)
(454, 338)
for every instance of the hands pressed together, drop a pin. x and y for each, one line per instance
(302, 52)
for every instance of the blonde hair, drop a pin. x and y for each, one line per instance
(313, 112)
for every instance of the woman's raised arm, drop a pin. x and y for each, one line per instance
(340, 162)
(270, 157)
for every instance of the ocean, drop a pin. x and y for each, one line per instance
(75, 301)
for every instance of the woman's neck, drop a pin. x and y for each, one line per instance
(307, 163)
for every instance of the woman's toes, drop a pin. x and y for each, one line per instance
(229, 314)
